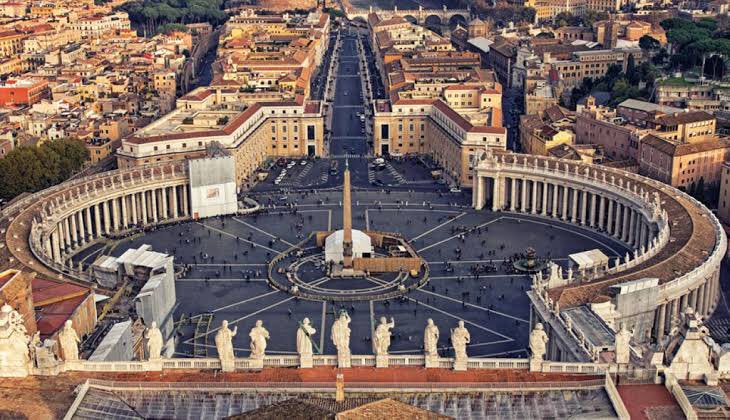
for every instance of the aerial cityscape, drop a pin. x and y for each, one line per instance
(351, 209)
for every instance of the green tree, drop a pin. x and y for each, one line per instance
(647, 42)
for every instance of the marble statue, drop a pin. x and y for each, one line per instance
(341, 333)
(538, 341)
(304, 338)
(69, 342)
(460, 337)
(381, 339)
(258, 335)
(430, 338)
(224, 342)
(14, 357)
(154, 342)
(622, 339)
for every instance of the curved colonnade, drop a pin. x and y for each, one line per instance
(48, 227)
(674, 238)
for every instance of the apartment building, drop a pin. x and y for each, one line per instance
(96, 25)
(539, 133)
(252, 133)
(592, 64)
(23, 92)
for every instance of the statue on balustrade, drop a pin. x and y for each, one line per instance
(622, 344)
(341, 333)
(304, 338)
(69, 342)
(258, 335)
(14, 340)
(224, 342)
(154, 342)
(430, 338)
(460, 337)
(538, 342)
(381, 339)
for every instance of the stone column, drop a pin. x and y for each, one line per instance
(185, 204)
(609, 217)
(705, 298)
(107, 217)
(683, 303)
(601, 212)
(82, 229)
(672, 306)
(74, 232)
(143, 208)
(693, 298)
(153, 199)
(523, 199)
(163, 197)
(533, 205)
(55, 246)
(617, 218)
(66, 234)
(48, 247)
(631, 237)
(660, 322)
(133, 204)
(584, 208)
(97, 220)
(173, 200)
(554, 209)
(496, 191)
(625, 227)
(574, 208)
(644, 230)
(594, 198)
(89, 225)
(115, 213)
(513, 194)
(564, 207)
(544, 204)
(125, 213)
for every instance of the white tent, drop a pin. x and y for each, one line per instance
(361, 246)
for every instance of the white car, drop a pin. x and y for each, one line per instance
(455, 189)
(302, 163)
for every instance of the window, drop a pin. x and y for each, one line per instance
(310, 132)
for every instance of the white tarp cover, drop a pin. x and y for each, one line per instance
(589, 259)
(361, 244)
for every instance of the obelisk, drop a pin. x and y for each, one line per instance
(346, 220)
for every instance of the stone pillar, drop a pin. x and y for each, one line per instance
(143, 207)
(683, 303)
(609, 217)
(89, 225)
(496, 194)
(74, 231)
(107, 222)
(97, 220)
(631, 238)
(693, 299)
(82, 229)
(617, 218)
(660, 322)
(625, 227)
(55, 246)
(115, 213)
(574, 208)
(125, 213)
(705, 298)
(163, 197)
(594, 197)
(173, 200)
(523, 199)
(153, 200)
(533, 205)
(564, 207)
(66, 234)
(584, 208)
(644, 234)
(513, 195)
(601, 212)
(133, 204)
(185, 204)
(543, 204)
(672, 310)
(48, 247)
(554, 208)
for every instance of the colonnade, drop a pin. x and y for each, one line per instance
(117, 210)
(575, 204)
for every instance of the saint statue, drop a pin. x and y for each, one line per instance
(224, 341)
(154, 342)
(430, 338)
(69, 342)
(304, 338)
(381, 340)
(460, 337)
(622, 344)
(538, 341)
(258, 335)
(14, 340)
(341, 333)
